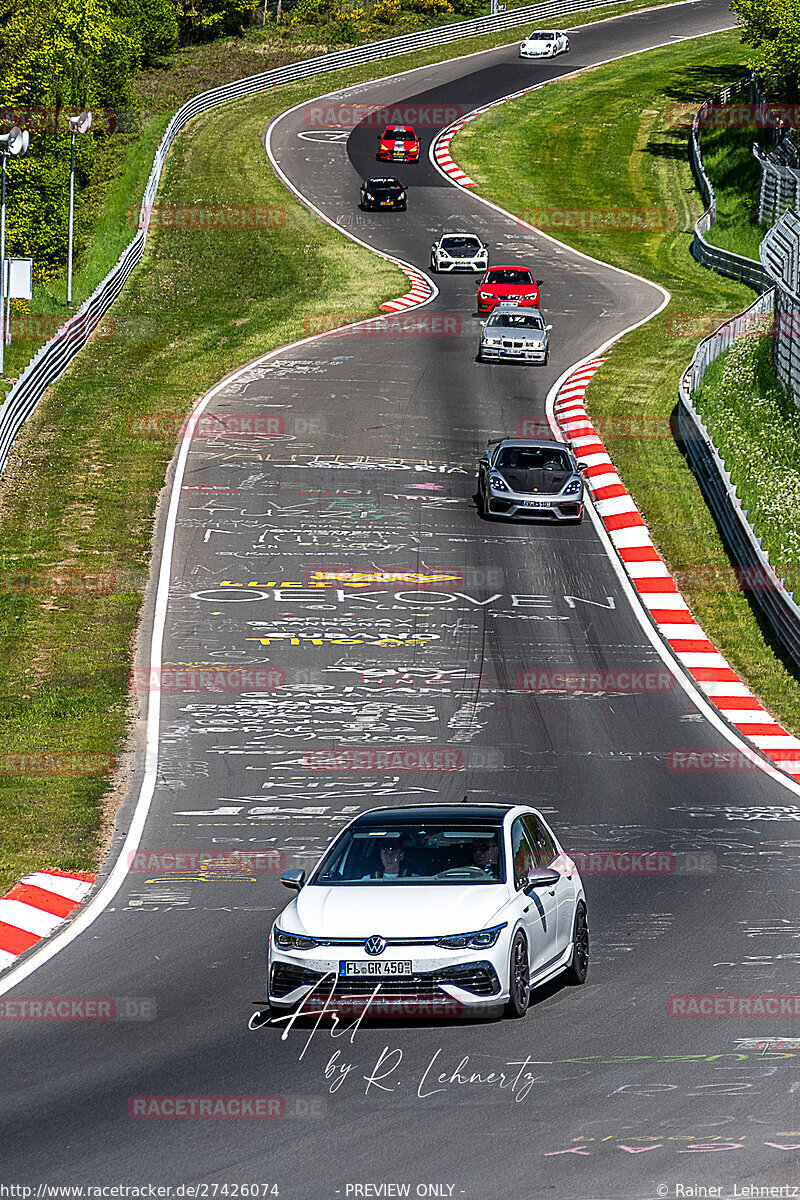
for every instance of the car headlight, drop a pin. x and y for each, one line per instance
(293, 941)
(536, 345)
(573, 487)
(498, 483)
(491, 341)
(368, 196)
(531, 296)
(473, 941)
(485, 296)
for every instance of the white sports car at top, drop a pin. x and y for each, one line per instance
(463, 907)
(544, 44)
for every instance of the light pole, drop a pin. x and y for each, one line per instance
(80, 124)
(14, 142)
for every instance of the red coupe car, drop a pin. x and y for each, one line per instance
(399, 143)
(509, 285)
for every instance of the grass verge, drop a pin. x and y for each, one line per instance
(736, 176)
(606, 136)
(748, 413)
(79, 492)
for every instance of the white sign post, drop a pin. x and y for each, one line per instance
(17, 285)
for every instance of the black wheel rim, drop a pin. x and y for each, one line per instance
(581, 942)
(520, 967)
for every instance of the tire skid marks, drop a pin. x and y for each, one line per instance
(657, 589)
(35, 907)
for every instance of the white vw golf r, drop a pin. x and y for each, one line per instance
(469, 904)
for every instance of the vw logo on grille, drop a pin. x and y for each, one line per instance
(375, 945)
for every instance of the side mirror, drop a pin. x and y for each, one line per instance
(293, 879)
(583, 466)
(541, 877)
(482, 324)
(548, 327)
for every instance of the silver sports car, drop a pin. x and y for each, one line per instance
(515, 334)
(523, 478)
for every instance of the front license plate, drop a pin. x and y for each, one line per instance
(380, 970)
(535, 504)
(386, 204)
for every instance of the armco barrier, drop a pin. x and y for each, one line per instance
(725, 262)
(55, 356)
(768, 592)
(780, 254)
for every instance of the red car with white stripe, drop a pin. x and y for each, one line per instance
(399, 143)
(509, 285)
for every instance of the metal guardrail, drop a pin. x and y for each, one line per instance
(724, 262)
(780, 185)
(755, 573)
(780, 255)
(52, 359)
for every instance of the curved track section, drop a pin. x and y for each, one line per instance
(599, 1092)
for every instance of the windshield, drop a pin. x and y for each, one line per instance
(541, 37)
(528, 458)
(508, 320)
(461, 245)
(384, 185)
(510, 276)
(431, 854)
(400, 133)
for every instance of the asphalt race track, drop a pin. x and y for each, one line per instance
(375, 470)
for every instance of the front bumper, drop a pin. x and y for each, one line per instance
(450, 264)
(379, 206)
(443, 983)
(550, 508)
(491, 305)
(385, 156)
(537, 53)
(512, 354)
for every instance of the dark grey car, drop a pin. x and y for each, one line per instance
(524, 478)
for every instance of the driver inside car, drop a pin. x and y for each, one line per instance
(392, 856)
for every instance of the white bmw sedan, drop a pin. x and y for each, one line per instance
(462, 908)
(544, 44)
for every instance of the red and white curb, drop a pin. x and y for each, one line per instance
(35, 907)
(420, 290)
(658, 591)
(441, 153)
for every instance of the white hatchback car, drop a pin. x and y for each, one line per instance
(470, 905)
(544, 44)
